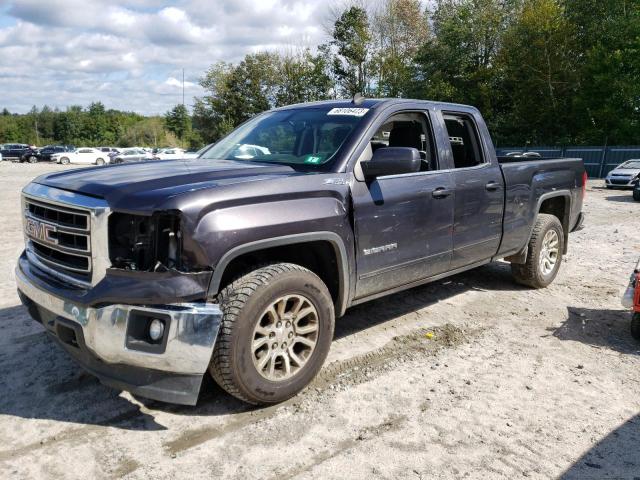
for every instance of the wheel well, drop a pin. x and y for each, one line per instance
(559, 207)
(318, 256)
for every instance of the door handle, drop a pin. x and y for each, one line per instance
(492, 186)
(441, 192)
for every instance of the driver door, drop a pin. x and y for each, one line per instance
(403, 222)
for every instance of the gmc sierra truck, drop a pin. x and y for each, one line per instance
(237, 263)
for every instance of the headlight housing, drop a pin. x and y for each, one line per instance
(149, 243)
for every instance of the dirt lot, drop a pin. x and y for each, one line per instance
(513, 383)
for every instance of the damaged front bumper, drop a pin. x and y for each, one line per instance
(111, 341)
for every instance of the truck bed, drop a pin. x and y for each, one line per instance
(527, 183)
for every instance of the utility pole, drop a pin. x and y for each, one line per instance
(183, 87)
(37, 135)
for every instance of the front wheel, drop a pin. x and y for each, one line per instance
(546, 247)
(275, 335)
(33, 159)
(636, 194)
(100, 161)
(64, 161)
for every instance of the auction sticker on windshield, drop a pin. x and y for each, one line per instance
(354, 112)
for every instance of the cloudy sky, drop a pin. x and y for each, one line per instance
(130, 54)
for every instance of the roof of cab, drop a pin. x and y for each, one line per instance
(372, 103)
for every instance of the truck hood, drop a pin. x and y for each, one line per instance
(146, 185)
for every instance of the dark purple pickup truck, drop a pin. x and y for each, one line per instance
(237, 263)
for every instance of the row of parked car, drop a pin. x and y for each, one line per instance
(66, 154)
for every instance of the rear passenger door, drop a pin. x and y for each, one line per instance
(402, 222)
(479, 194)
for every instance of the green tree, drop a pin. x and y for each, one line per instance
(539, 75)
(607, 100)
(95, 129)
(399, 28)
(178, 122)
(352, 41)
(304, 77)
(458, 61)
(235, 93)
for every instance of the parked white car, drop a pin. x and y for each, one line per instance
(170, 154)
(625, 175)
(82, 156)
(246, 151)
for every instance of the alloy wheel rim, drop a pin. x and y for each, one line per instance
(549, 252)
(285, 337)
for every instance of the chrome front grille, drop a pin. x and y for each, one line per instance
(66, 234)
(59, 237)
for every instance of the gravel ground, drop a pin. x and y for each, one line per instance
(512, 383)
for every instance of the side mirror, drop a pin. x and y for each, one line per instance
(391, 161)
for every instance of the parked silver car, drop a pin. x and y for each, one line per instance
(132, 155)
(625, 175)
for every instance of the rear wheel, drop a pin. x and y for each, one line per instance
(636, 194)
(100, 161)
(544, 254)
(635, 325)
(33, 159)
(276, 332)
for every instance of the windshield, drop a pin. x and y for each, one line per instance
(307, 136)
(631, 164)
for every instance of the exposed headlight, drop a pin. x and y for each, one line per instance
(138, 242)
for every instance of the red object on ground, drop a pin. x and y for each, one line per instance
(636, 293)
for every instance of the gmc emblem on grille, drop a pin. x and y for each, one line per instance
(40, 231)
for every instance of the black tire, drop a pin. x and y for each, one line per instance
(242, 303)
(635, 326)
(100, 161)
(64, 161)
(609, 187)
(636, 195)
(33, 159)
(530, 273)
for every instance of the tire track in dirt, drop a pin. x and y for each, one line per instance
(71, 435)
(342, 374)
(390, 424)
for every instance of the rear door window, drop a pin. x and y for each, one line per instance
(464, 140)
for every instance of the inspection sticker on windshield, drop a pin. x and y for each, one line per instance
(353, 112)
(313, 160)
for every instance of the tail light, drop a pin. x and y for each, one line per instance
(585, 177)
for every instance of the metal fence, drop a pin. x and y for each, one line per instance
(598, 161)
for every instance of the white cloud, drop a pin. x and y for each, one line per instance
(174, 82)
(131, 55)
